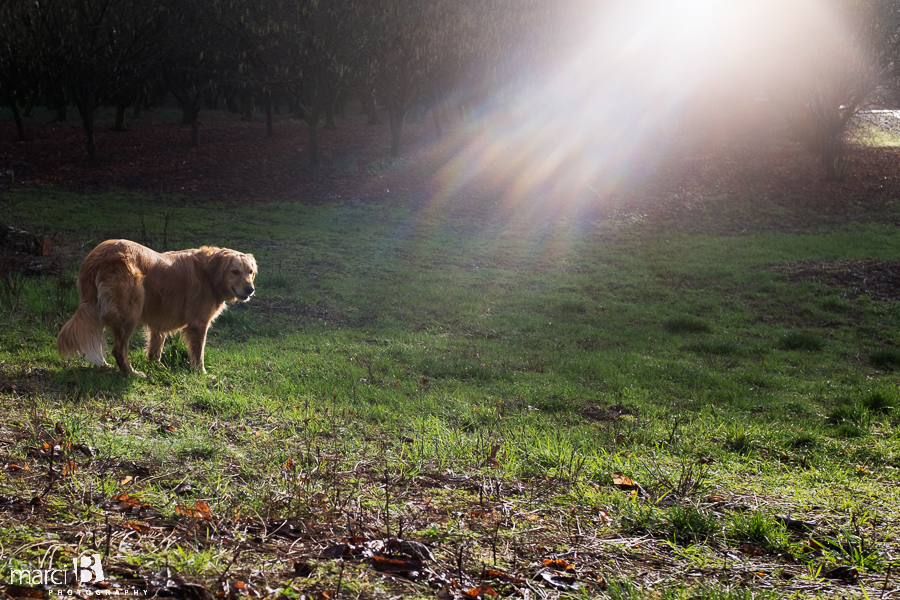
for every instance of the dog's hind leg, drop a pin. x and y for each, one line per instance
(122, 332)
(155, 342)
(124, 303)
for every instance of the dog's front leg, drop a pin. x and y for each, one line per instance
(195, 338)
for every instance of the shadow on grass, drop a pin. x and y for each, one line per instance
(88, 380)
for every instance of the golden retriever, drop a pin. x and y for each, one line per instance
(122, 284)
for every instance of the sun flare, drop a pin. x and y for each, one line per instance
(628, 79)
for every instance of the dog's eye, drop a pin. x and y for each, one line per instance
(235, 272)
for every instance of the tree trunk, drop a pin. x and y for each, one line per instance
(833, 156)
(85, 103)
(315, 164)
(436, 115)
(231, 104)
(138, 106)
(189, 116)
(295, 107)
(397, 115)
(329, 113)
(195, 128)
(121, 107)
(87, 123)
(247, 106)
(211, 100)
(60, 106)
(368, 101)
(20, 128)
(340, 104)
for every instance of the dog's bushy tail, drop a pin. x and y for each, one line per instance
(83, 334)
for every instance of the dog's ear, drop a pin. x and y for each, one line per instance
(219, 263)
(252, 262)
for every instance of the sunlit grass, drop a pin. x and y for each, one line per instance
(869, 134)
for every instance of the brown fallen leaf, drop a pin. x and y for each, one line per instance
(481, 591)
(559, 564)
(21, 591)
(752, 550)
(506, 577)
(411, 569)
(139, 527)
(624, 483)
(199, 510)
(127, 502)
(234, 589)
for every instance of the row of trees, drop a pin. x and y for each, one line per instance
(822, 66)
(90, 53)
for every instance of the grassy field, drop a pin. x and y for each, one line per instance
(457, 401)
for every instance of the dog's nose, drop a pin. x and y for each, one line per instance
(249, 290)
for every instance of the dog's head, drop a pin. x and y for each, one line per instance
(236, 272)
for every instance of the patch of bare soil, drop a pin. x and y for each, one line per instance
(879, 279)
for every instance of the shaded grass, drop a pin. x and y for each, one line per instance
(885, 358)
(801, 340)
(471, 378)
(687, 324)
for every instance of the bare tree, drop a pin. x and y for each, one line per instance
(843, 54)
(20, 54)
(102, 49)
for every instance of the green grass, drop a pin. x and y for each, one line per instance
(762, 530)
(868, 134)
(472, 382)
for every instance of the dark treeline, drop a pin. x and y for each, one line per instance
(820, 62)
(307, 55)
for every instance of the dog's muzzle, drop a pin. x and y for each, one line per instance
(244, 294)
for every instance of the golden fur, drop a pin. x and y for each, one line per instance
(122, 284)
